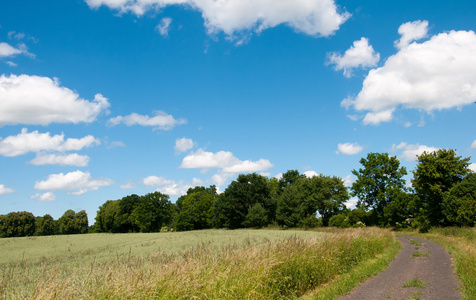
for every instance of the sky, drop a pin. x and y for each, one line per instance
(100, 99)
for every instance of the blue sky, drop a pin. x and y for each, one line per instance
(100, 99)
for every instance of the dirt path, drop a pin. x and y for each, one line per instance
(419, 259)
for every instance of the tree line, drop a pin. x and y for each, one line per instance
(442, 193)
(18, 224)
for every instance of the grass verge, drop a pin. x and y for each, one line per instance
(344, 283)
(461, 245)
(283, 269)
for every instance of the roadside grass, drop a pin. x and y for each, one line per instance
(254, 264)
(420, 254)
(461, 245)
(414, 283)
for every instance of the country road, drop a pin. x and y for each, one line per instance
(422, 270)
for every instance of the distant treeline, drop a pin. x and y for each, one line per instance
(443, 193)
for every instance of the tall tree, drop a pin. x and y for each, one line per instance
(378, 183)
(459, 203)
(301, 200)
(232, 208)
(17, 224)
(435, 174)
(45, 225)
(153, 211)
(196, 208)
(73, 223)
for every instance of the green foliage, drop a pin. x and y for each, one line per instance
(107, 218)
(239, 197)
(73, 223)
(196, 208)
(459, 203)
(152, 212)
(378, 183)
(436, 173)
(257, 217)
(16, 224)
(401, 211)
(45, 225)
(306, 196)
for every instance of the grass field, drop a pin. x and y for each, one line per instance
(208, 264)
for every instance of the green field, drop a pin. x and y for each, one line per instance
(208, 264)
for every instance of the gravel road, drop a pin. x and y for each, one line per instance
(419, 259)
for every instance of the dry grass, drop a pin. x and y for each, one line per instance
(278, 269)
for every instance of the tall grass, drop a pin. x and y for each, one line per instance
(281, 269)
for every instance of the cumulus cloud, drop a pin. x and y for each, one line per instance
(472, 167)
(163, 27)
(26, 142)
(39, 100)
(4, 190)
(310, 174)
(45, 197)
(433, 75)
(411, 31)
(235, 17)
(359, 55)
(76, 182)
(349, 148)
(410, 152)
(127, 186)
(348, 180)
(183, 144)
(168, 186)
(161, 120)
(223, 160)
(64, 160)
(473, 145)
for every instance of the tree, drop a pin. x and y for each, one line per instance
(239, 197)
(196, 208)
(459, 203)
(290, 177)
(153, 211)
(435, 174)
(125, 222)
(378, 182)
(45, 225)
(17, 224)
(107, 218)
(301, 200)
(73, 223)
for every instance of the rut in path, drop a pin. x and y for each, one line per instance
(423, 266)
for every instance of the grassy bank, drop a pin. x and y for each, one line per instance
(275, 265)
(461, 245)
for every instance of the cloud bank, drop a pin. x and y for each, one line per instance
(433, 75)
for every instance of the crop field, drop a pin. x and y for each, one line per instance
(208, 264)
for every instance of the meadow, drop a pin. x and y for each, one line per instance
(208, 264)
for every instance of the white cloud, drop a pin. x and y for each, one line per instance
(6, 50)
(163, 27)
(473, 145)
(78, 182)
(410, 152)
(349, 148)
(223, 160)
(4, 190)
(359, 55)
(26, 142)
(352, 203)
(411, 31)
(48, 196)
(39, 100)
(238, 17)
(167, 186)
(310, 174)
(11, 63)
(183, 144)
(472, 167)
(127, 186)
(248, 166)
(161, 120)
(434, 75)
(65, 160)
(348, 180)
